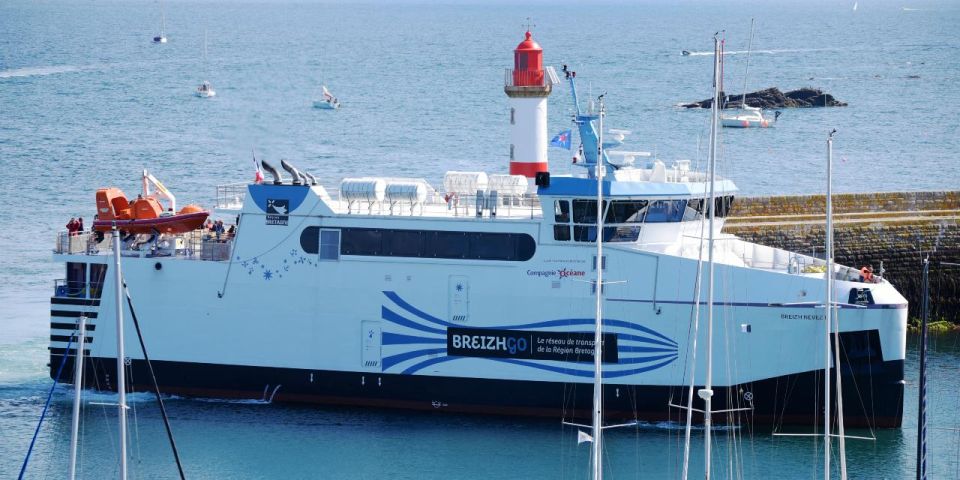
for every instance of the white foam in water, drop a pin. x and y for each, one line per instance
(754, 52)
(39, 71)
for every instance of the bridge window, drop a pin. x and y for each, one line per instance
(663, 211)
(561, 211)
(585, 211)
(695, 207)
(626, 211)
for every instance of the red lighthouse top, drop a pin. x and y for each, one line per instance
(528, 63)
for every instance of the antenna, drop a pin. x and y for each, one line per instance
(528, 25)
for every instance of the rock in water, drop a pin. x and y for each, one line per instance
(772, 98)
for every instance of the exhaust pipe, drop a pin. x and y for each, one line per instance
(293, 172)
(313, 180)
(277, 179)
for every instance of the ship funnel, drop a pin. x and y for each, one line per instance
(293, 172)
(313, 180)
(277, 179)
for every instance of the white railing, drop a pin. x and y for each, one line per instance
(438, 204)
(231, 196)
(195, 245)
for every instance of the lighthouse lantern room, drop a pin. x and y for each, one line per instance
(528, 85)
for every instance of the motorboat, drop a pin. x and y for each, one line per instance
(146, 214)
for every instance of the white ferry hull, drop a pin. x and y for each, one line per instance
(383, 332)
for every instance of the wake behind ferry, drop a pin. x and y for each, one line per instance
(477, 297)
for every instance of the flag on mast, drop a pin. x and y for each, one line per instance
(258, 176)
(562, 139)
(583, 437)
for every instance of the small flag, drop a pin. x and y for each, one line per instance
(562, 139)
(258, 176)
(583, 437)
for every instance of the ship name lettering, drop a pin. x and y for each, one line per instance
(490, 342)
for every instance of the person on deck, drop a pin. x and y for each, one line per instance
(72, 226)
(218, 229)
(866, 274)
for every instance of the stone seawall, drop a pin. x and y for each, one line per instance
(895, 228)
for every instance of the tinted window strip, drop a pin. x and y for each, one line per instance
(443, 244)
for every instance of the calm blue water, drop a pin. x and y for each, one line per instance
(86, 100)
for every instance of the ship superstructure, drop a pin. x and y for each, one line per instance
(475, 297)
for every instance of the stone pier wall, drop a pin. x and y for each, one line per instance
(895, 228)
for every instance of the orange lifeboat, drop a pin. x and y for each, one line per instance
(145, 214)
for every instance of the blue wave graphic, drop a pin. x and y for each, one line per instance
(662, 345)
(389, 338)
(403, 357)
(549, 323)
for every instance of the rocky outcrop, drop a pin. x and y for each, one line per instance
(772, 98)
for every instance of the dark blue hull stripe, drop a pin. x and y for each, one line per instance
(787, 400)
(703, 303)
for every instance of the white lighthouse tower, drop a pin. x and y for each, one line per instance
(528, 88)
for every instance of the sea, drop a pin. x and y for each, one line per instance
(87, 100)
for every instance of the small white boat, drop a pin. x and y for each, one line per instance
(162, 38)
(748, 117)
(205, 90)
(327, 101)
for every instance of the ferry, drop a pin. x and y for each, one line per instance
(477, 296)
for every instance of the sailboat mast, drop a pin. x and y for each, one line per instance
(706, 393)
(121, 373)
(841, 441)
(828, 310)
(746, 70)
(922, 400)
(77, 388)
(597, 445)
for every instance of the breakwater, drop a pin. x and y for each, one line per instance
(895, 229)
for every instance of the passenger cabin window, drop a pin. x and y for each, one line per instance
(378, 242)
(76, 284)
(329, 244)
(98, 272)
(322, 242)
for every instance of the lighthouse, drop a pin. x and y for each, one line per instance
(528, 87)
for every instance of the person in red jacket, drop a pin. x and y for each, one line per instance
(72, 226)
